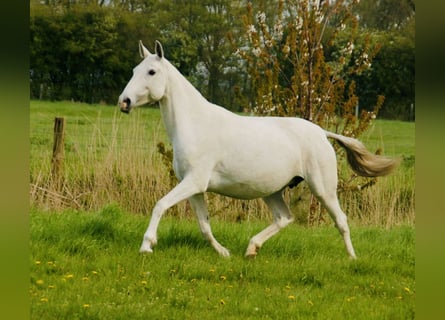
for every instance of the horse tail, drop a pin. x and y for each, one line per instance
(363, 162)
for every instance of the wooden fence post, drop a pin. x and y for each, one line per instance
(58, 150)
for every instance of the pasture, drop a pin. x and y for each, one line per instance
(87, 266)
(84, 260)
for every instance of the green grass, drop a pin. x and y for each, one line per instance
(84, 260)
(87, 266)
(395, 138)
(89, 127)
(108, 157)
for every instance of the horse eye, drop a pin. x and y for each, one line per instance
(151, 72)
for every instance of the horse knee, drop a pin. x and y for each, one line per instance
(160, 207)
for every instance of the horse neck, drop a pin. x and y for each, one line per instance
(182, 104)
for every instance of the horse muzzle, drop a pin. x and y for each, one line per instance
(125, 105)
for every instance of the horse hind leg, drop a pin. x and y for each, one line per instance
(282, 217)
(329, 200)
(323, 181)
(341, 222)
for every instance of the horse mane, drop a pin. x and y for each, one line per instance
(183, 80)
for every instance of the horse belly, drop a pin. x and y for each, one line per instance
(256, 180)
(237, 189)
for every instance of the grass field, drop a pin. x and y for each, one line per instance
(85, 234)
(87, 266)
(84, 252)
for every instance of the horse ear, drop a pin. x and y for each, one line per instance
(158, 49)
(143, 51)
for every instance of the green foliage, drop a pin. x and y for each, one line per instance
(167, 159)
(77, 272)
(74, 53)
(386, 14)
(300, 63)
(85, 51)
(392, 75)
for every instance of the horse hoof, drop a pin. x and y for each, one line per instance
(224, 253)
(251, 254)
(145, 250)
(252, 251)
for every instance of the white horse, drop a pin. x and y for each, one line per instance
(239, 156)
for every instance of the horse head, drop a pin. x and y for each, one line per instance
(148, 82)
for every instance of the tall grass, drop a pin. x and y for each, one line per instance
(108, 158)
(113, 158)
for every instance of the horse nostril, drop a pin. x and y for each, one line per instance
(126, 105)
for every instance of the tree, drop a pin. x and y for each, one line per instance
(194, 34)
(392, 75)
(392, 25)
(81, 53)
(85, 50)
(385, 14)
(301, 62)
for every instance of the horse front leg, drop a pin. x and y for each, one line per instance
(185, 189)
(282, 217)
(199, 207)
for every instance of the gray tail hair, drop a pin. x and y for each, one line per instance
(363, 162)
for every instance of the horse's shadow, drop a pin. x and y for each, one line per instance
(175, 238)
